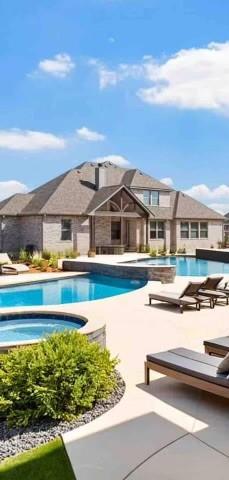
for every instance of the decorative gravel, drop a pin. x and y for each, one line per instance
(18, 439)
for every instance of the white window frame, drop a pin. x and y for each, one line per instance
(157, 230)
(150, 197)
(190, 229)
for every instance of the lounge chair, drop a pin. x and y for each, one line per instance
(218, 347)
(196, 369)
(210, 288)
(189, 297)
(7, 267)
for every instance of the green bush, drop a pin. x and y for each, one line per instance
(153, 252)
(142, 249)
(24, 256)
(147, 249)
(36, 261)
(181, 250)
(59, 378)
(162, 251)
(46, 254)
(70, 253)
(172, 251)
(53, 261)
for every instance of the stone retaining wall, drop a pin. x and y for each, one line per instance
(211, 254)
(164, 274)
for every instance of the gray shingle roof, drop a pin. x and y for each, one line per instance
(74, 193)
(188, 208)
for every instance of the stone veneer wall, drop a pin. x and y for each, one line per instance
(102, 231)
(164, 274)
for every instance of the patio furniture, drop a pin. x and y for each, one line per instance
(7, 267)
(187, 366)
(218, 347)
(189, 297)
(210, 288)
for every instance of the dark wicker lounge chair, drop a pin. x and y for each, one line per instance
(217, 346)
(196, 369)
(210, 288)
(189, 297)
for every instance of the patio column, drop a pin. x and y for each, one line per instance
(92, 232)
(121, 228)
(147, 230)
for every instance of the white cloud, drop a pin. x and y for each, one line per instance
(117, 159)
(16, 139)
(168, 181)
(195, 78)
(11, 187)
(89, 135)
(59, 66)
(216, 198)
(111, 77)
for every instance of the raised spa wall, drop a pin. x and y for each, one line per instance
(162, 273)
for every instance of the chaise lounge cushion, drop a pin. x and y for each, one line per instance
(173, 298)
(198, 365)
(223, 367)
(221, 342)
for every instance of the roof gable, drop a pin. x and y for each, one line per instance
(189, 208)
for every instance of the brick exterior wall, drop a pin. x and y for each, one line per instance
(31, 232)
(80, 234)
(10, 236)
(102, 231)
(215, 234)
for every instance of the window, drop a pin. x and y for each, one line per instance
(151, 197)
(66, 229)
(194, 230)
(146, 197)
(184, 230)
(116, 230)
(203, 230)
(154, 198)
(157, 230)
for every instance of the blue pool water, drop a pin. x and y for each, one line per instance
(20, 328)
(189, 266)
(69, 290)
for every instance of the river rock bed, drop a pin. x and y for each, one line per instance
(19, 439)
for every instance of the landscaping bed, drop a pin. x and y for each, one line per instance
(19, 439)
(52, 387)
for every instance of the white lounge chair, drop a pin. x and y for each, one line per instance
(7, 266)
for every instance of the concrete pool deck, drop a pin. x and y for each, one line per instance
(163, 431)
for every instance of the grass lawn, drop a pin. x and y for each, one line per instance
(47, 462)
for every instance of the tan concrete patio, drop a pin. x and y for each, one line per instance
(164, 431)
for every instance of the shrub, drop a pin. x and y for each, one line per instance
(172, 251)
(46, 254)
(162, 251)
(147, 249)
(71, 253)
(53, 261)
(142, 249)
(153, 252)
(59, 378)
(36, 261)
(24, 256)
(181, 250)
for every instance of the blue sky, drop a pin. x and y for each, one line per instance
(139, 81)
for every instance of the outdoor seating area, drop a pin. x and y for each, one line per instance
(211, 290)
(8, 267)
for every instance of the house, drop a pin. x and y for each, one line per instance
(226, 228)
(101, 205)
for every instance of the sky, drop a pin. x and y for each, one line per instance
(143, 83)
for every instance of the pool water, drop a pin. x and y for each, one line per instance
(189, 266)
(80, 288)
(34, 327)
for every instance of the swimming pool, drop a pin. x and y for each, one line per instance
(34, 326)
(80, 288)
(188, 266)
